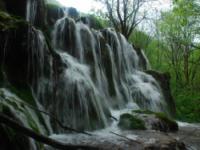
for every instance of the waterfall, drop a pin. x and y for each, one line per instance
(101, 73)
(31, 10)
(97, 72)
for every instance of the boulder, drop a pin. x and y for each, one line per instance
(129, 121)
(157, 121)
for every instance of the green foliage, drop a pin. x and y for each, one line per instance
(128, 121)
(187, 104)
(23, 93)
(53, 6)
(10, 22)
(140, 39)
(177, 51)
(139, 111)
(53, 2)
(97, 22)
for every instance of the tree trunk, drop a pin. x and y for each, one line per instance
(186, 65)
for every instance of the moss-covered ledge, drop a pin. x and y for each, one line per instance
(10, 22)
(131, 122)
(157, 120)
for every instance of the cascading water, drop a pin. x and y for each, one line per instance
(31, 11)
(99, 72)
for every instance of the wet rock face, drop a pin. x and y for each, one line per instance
(16, 7)
(41, 14)
(14, 53)
(19, 8)
(54, 13)
(164, 82)
(21, 57)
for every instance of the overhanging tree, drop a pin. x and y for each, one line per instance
(125, 15)
(179, 29)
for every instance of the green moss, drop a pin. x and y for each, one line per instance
(24, 93)
(10, 22)
(128, 121)
(143, 111)
(53, 6)
(173, 126)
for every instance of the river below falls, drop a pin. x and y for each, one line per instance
(114, 138)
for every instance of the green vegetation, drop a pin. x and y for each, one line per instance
(176, 49)
(97, 22)
(10, 22)
(188, 104)
(170, 123)
(139, 111)
(12, 105)
(23, 93)
(128, 121)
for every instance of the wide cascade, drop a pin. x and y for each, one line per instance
(100, 73)
(64, 84)
(85, 76)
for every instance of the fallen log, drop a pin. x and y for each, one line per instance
(41, 138)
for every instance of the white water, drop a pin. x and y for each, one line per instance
(99, 76)
(31, 11)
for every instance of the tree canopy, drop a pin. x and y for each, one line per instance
(124, 14)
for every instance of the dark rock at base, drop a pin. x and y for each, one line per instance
(169, 144)
(164, 82)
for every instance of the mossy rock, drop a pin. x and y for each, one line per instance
(172, 125)
(164, 123)
(128, 121)
(139, 111)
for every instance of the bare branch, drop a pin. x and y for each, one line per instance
(41, 138)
